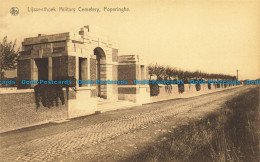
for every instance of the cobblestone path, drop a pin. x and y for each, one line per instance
(58, 145)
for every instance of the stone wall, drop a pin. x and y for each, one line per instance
(127, 73)
(19, 110)
(59, 67)
(24, 72)
(167, 93)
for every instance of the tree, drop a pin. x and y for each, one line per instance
(159, 72)
(8, 56)
(168, 73)
(151, 69)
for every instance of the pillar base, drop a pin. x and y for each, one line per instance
(83, 105)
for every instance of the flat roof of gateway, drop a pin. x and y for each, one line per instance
(51, 38)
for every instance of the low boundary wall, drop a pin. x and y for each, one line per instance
(172, 92)
(19, 110)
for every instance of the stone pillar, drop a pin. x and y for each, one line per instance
(142, 71)
(110, 87)
(32, 63)
(49, 68)
(77, 71)
(115, 77)
(88, 68)
(34, 71)
(103, 77)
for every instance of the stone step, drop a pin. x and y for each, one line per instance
(115, 106)
(101, 101)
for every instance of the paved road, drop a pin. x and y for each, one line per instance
(56, 146)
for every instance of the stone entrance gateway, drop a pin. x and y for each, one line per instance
(86, 55)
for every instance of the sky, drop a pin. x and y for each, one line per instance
(214, 36)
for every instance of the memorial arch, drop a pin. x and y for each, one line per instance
(88, 55)
(101, 71)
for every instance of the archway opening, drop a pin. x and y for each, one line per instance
(101, 71)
